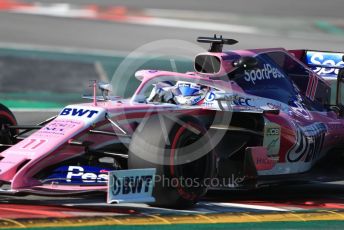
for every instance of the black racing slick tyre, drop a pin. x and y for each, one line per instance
(6, 118)
(179, 183)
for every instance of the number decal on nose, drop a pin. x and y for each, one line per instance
(33, 144)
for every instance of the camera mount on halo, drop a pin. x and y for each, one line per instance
(216, 43)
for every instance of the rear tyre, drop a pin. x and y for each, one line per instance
(178, 185)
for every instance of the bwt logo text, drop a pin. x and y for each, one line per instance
(131, 184)
(78, 112)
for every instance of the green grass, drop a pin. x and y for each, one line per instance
(23, 104)
(24, 98)
(329, 27)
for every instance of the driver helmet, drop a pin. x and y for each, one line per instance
(189, 93)
(188, 88)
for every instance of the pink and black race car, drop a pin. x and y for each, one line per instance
(244, 119)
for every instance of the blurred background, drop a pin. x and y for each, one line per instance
(49, 49)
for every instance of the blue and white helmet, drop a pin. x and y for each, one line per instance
(189, 93)
(188, 88)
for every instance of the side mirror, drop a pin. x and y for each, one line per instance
(246, 62)
(105, 88)
(205, 63)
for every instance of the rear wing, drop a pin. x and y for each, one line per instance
(323, 63)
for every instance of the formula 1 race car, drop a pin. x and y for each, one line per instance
(244, 119)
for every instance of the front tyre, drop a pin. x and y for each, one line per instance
(178, 184)
(6, 118)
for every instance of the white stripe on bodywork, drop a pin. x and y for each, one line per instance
(251, 206)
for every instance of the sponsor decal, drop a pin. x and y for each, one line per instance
(210, 97)
(188, 89)
(87, 177)
(242, 101)
(264, 163)
(210, 105)
(297, 109)
(312, 86)
(236, 102)
(191, 100)
(196, 100)
(77, 112)
(309, 143)
(329, 62)
(32, 143)
(131, 184)
(209, 100)
(266, 73)
(260, 158)
(273, 144)
(189, 85)
(135, 185)
(243, 108)
(272, 134)
(274, 106)
(273, 131)
(79, 175)
(58, 127)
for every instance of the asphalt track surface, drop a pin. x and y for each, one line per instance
(295, 28)
(314, 205)
(62, 32)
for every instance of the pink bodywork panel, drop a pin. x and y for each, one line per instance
(36, 147)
